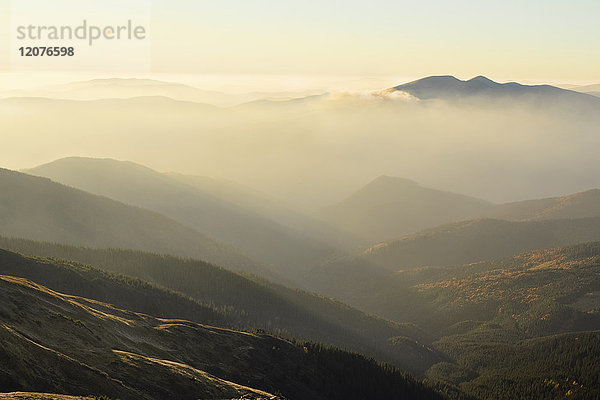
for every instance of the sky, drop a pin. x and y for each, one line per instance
(526, 40)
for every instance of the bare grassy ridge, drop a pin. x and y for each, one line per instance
(54, 343)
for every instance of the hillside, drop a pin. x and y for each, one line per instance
(578, 205)
(209, 211)
(120, 290)
(38, 209)
(558, 283)
(477, 240)
(64, 344)
(270, 208)
(390, 207)
(207, 293)
(520, 327)
(540, 336)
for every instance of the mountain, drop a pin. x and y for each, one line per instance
(478, 240)
(505, 151)
(451, 88)
(269, 207)
(205, 210)
(438, 297)
(511, 328)
(175, 288)
(39, 209)
(578, 205)
(118, 88)
(390, 207)
(55, 343)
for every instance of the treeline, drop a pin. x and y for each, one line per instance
(556, 367)
(338, 374)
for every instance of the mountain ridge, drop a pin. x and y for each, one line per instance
(268, 241)
(389, 206)
(37, 208)
(450, 87)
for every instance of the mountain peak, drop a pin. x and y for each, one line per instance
(432, 82)
(450, 88)
(482, 79)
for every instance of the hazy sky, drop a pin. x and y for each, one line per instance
(507, 39)
(549, 40)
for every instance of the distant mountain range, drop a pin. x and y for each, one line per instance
(229, 213)
(517, 138)
(477, 240)
(577, 205)
(451, 88)
(594, 89)
(389, 207)
(119, 88)
(39, 209)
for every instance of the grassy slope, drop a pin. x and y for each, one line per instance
(245, 302)
(82, 346)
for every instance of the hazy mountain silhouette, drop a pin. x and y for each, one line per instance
(518, 143)
(594, 89)
(578, 205)
(212, 211)
(269, 207)
(478, 240)
(120, 88)
(39, 209)
(451, 88)
(390, 207)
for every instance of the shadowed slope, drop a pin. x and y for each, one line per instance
(96, 348)
(39, 209)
